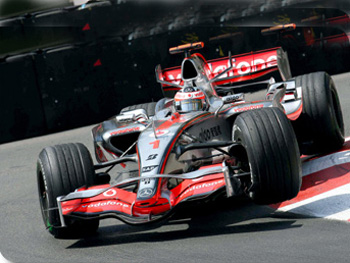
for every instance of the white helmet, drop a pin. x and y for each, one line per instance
(189, 99)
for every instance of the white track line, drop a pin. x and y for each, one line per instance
(343, 216)
(3, 259)
(325, 162)
(334, 204)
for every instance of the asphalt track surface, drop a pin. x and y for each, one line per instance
(230, 231)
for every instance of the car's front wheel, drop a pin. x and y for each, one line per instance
(271, 155)
(60, 170)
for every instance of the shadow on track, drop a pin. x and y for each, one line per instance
(197, 220)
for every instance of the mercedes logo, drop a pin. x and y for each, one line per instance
(145, 192)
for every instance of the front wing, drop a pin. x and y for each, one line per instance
(105, 201)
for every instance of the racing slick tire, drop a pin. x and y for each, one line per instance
(148, 107)
(271, 155)
(60, 170)
(320, 127)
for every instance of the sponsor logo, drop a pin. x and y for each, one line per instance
(99, 204)
(253, 107)
(110, 192)
(245, 67)
(190, 95)
(67, 209)
(238, 67)
(208, 134)
(232, 98)
(147, 169)
(146, 181)
(145, 192)
(203, 186)
(151, 157)
(127, 130)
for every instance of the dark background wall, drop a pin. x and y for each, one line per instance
(72, 66)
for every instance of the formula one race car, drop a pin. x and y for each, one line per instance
(195, 145)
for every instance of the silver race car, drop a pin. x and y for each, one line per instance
(194, 144)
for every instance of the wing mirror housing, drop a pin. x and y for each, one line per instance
(229, 99)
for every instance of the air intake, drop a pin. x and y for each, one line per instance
(189, 70)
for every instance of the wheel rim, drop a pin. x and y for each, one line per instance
(245, 166)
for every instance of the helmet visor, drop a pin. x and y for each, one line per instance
(189, 105)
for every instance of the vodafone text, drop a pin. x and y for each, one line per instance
(105, 204)
(238, 68)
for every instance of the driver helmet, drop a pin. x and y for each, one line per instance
(189, 99)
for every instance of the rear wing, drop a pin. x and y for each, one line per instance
(245, 67)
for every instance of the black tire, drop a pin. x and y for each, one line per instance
(148, 107)
(271, 154)
(320, 127)
(60, 170)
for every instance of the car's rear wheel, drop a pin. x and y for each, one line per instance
(320, 127)
(271, 155)
(60, 170)
(148, 107)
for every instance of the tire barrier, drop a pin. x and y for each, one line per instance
(21, 110)
(71, 86)
(88, 83)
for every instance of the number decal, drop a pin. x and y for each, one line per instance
(155, 144)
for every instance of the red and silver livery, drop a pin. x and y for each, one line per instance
(228, 147)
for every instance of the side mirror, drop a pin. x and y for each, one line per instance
(159, 78)
(229, 99)
(133, 115)
(232, 98)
